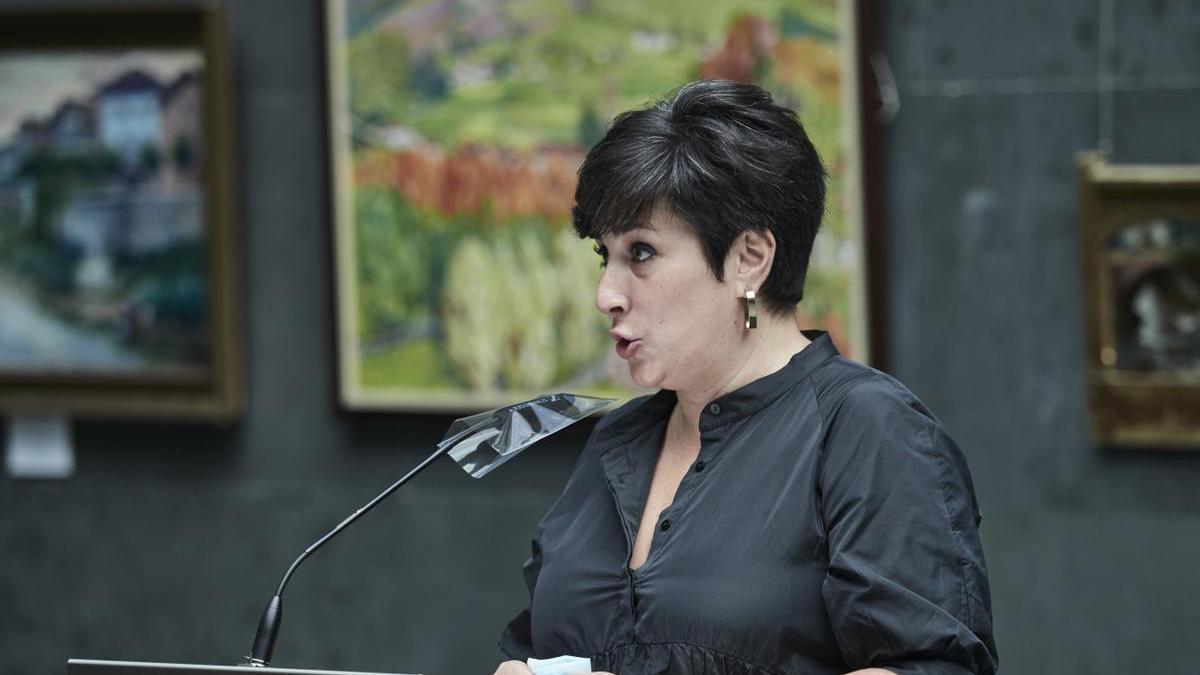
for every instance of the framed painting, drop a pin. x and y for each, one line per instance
(116, 249)
(456, 131)
(1140, 233)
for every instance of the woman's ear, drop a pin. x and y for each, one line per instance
(754, 252)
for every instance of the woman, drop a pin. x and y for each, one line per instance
(775, 507)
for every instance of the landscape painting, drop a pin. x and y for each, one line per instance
(457, 129)
(102, 226)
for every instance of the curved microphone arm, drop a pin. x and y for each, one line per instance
(268, 626)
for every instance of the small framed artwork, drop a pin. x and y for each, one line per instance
(1140, 230)
(455, 138)
(116, 229)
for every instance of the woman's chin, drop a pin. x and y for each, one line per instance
(644, 377)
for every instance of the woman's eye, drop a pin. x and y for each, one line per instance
(641, 253)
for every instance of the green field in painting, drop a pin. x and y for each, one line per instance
(414, 364)
(561, 61)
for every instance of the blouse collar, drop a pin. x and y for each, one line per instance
(741, 402)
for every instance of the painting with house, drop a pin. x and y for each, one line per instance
(102, 225)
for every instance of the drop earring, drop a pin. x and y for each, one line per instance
(751, 311)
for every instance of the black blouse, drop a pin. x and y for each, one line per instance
(828, 524)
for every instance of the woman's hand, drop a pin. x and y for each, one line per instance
(513, 668)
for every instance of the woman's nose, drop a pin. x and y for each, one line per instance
(609, 298)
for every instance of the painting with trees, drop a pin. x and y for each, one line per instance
(457, 129)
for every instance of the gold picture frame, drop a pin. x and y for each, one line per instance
(119, 171)
(1140, 234)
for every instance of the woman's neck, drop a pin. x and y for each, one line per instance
(762, 351)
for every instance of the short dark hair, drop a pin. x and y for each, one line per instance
(723, 157)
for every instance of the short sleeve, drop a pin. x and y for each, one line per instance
(906, 588)
(517, 639)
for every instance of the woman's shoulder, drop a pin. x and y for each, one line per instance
(870, 418)
(844, 387)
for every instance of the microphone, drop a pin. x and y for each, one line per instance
(478, 444)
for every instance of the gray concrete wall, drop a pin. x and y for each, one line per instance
(1093, 552)
(171, 539)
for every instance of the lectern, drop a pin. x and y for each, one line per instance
(92, 667)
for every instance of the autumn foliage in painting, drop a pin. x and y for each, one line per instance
(488, 182)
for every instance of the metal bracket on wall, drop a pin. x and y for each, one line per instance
(889, 93)
(39, 447)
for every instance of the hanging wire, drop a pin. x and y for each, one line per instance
(1106, 78)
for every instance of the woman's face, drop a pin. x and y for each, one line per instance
(672, 321)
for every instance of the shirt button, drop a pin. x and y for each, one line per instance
(714, 408)
(666, 525)
(699, 466)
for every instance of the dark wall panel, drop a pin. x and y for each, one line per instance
(1090, 549)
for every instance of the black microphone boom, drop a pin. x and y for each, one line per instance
(478, 443)
(268, 625)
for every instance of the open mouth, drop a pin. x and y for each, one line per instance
(625, 348)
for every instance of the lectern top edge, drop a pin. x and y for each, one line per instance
(94, 667)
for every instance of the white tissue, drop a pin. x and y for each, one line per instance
(560, 665)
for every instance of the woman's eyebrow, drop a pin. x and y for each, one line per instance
(638, 231)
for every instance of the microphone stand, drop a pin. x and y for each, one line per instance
(268, 626)
(470, 443)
